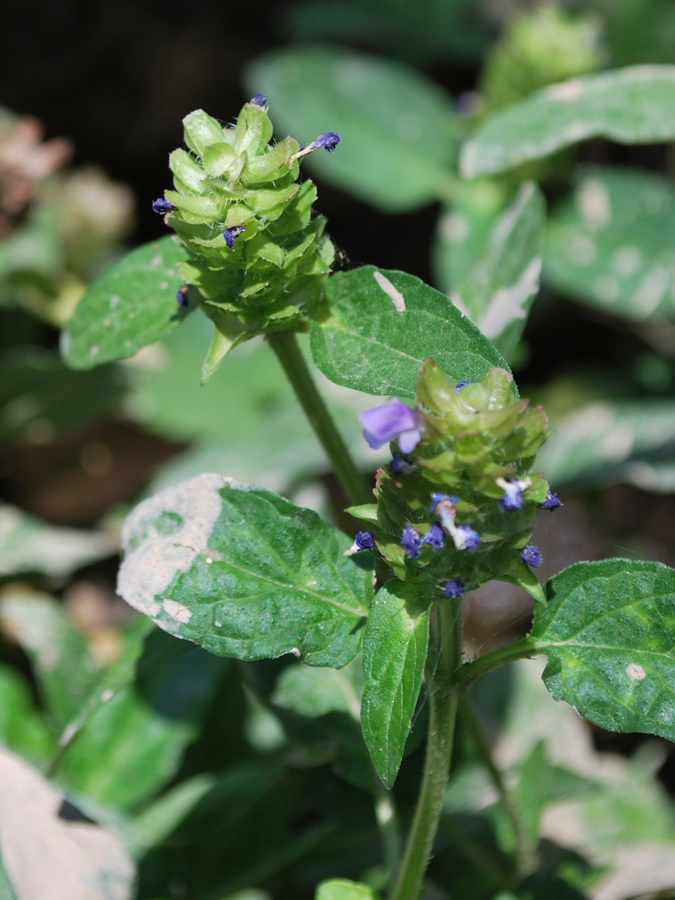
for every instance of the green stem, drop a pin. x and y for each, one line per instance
(526, 848)
(286, 347)
(526, 647)
(387, 822)
(442, 715)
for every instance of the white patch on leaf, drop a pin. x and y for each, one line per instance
(594, 204)
(510, 303)
(567, 90)
(155, 556)
(395, 295)
(634, 670)
(177, 611)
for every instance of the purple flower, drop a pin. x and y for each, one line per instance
(410, 541)
(454, 589)
(326, 141)
(531, 555)
(382, 424)
(230, 234)
(259, 100)
(466, 538)
(364, 540)
(461, 384)
(434, 536)
(162, 206)
(551, 501)
(182, 296)
(401, 464)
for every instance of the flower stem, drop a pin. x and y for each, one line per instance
(526, 849)
(285, 345)
(442, 715)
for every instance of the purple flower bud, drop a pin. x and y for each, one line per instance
(551, 501)
(410, 541)
(326, 141)
(382, 424)
(401, 464)
(182, 296)
(434, 536)
(162, 206)
(512, 487)
(230, 234)
(461, 384)
(259, 100)
(454, 589)
(364, 540)
(531, 555)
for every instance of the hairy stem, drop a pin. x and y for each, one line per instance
(286, 347)
(526, 849)
(442, 715)
(387, 822)
(521, 649)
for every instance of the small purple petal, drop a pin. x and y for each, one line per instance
(162, 206)
(327, 141)
(461, 384)
(230, 234)
(410, 541)
(454, 589)
(551, 501)
(512, 499)
(182, 296)
(364, 540)
(259, 100)
(434, 536)
(530, 554)
(382, 424)
(466, 538)
(401, 464)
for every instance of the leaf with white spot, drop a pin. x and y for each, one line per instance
(244, 573)
(394, 656)
(373, 344)
(133, 304)
(608, 632)
(399, 132)
(635, 105)
(609, 244)
(612, 442)
(496, 286)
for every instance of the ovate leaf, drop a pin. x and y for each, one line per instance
(497, 291)
(635, 105)
(608, 632)
(244, 573)
(385, 323)
(394, 655)
(133, 304)
(399, 133)
(609, 243)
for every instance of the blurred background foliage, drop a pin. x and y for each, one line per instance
(179, 753)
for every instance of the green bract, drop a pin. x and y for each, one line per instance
(258, 257)
(475, 440)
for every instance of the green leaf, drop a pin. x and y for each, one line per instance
(244, 573)
(608, 443)
(497, 291)
(22, 726)
(366, 512)
(608, 633)
(609, 243)
(630, 106)
(64, 668)
(342, 889)
(29, 545)
(384, 324)
(133, 304)
(394, 654)
(133, 740)
(398, 129)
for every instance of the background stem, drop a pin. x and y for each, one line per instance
(526, 849)
(285, 345)
(442, 715)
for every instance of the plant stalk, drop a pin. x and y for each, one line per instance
(526, 848)
(468, 672)
(442, 716)
(285, 345)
